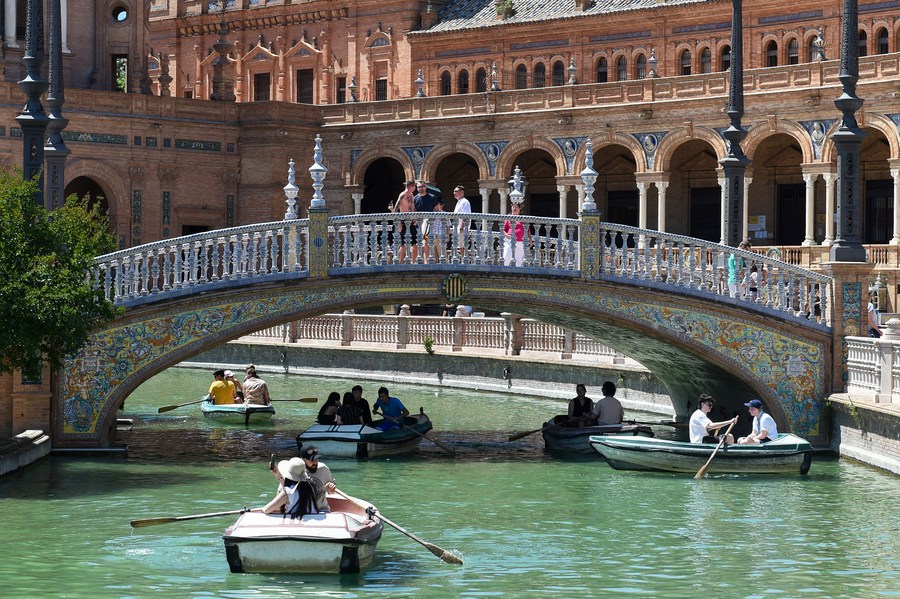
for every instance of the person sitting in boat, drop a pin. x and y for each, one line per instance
(221, 391)
(701, 428)
(763, 429)
(238, 390)
(580, 408)
(255, 389)
(363, 404)
(349, 412)
(319, 471)
(328, 412)
(393, 409)
(298, 492)
(608, 410)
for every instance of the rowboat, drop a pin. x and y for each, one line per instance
(337, 542)
(576, 438)
(786, 454)
(237, 413)
(364, 441)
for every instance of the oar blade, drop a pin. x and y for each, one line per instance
(167, 409)
(308, 399)
(152, 522)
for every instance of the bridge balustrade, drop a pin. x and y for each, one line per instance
(360, 244)
(873, 367)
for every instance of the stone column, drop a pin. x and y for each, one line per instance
(357, 202)
(722, 210)
(504, 196)
(9, 24)
(661, 186)
(64, 5)
(829, 207)
(642, 204)
(895, 173)
(347, 328)
(485, 199)
(403, 327)
(563, 191)
(810, 180)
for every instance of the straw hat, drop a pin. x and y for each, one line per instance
(292, 469)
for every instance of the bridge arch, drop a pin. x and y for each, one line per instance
(692, 344)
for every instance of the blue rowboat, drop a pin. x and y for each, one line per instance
(363, 441)
(786, 454)
(237, 413)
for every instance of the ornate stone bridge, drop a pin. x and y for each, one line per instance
(662, 299)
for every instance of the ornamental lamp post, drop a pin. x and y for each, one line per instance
(734, 164)
(589, 177)
(847, 246)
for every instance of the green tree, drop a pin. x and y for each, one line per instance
(48, 306)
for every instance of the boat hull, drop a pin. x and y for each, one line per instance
(361, 441)
(788, 454)
(334, 543)
(237, 413)
(577, 439)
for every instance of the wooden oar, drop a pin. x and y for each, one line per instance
(167, 520)
(441, 553)
(518, 436)
(301, 400)
(702, 472)
(181, 405)
(446, 448)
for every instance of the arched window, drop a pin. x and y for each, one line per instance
(706, 60)
(685, 63)
(640, 67)
(540, 75)
(445, 83)
(559, 73)
(863, 44)
(602, 71)
(772, 54)
(793, 52)
(462, 82)
(480, 80)
(725, 62)
(882, 41)
(521, 77)
(621, 69)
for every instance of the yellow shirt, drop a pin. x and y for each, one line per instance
(222, 392)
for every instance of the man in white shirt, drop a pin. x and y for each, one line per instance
(764, 428)
(704, 430)
(462, 207)
(608, 410)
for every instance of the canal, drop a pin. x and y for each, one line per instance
(524, 521)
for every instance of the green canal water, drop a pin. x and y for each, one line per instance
(527, 523)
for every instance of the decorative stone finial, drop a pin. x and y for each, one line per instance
(589, 177)
(495, 79)
(317, 171)
(420, 85)
(516, 196)
(290, 193)
(572, 71)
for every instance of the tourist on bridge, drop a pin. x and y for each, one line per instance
(434, 231)
(514, 233)
(736, 267)
(580, 407)
(408, 234)
(608, 410)
(874, 317)
(392, 408)
(763, 429)
(221, 391)
(328, 412)
(704, 430)
(463, 206)
(255, 389)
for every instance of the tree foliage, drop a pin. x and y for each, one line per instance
(48, 306)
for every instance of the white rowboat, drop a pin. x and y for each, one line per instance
(337, 542)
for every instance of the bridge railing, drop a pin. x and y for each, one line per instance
(204, 261)
(667, 260)
(446, 241)
(444, 238)
(873, 366)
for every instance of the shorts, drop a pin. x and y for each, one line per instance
(412, 237)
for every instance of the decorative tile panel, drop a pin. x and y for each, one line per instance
(569, 147)
(817, 131)
(492, 151)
